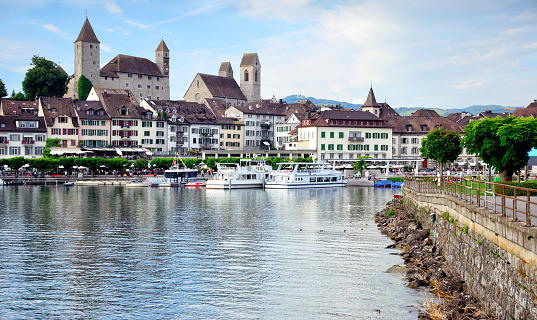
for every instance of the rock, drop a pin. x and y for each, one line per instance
(396, 269)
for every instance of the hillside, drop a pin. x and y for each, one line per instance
(404, 111)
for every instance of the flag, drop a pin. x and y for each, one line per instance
(174, 163)
(86, 12)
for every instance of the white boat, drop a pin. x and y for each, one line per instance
(246, 174)
(298, 175)
(180, 176)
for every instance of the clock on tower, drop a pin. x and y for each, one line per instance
(166, 66)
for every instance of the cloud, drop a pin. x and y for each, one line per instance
(111, 7)
(106, 48)
(469, 84)
(132, 23)
(55, 29)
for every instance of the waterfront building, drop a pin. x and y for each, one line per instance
(145, 79)
(22, 135)
(10, 107)
(94, 124)
(61, 120)
(336, 134)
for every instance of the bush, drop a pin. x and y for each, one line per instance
(499, 189)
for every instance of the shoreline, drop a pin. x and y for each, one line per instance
(426, 267)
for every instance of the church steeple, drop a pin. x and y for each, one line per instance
(371, 101)
(162, 58)
(87, 34)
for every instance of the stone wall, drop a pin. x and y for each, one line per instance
(495, 256)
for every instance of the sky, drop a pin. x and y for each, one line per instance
(414, 53)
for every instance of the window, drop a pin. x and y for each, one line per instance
(129, 75)
(245, 75)
(139, 86)
(146, 133)
(123, 111)
(322, 146)
(147, 124)
(341, 135)
(160, 124)
(148, 77)
(14, 137)
(139, 76)
(414, 140)
(160, 133)
(331, 135)
(126, 84)
(403, 150)
(368, 135)
(62, 119)
(340, 147)
(148, 87)
(156, 87)
(376, 147)
(414, 150)
(330, 147)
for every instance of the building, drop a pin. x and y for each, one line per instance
(22, 135)
(94, 124)
(16, 107)
(145, 79)
(61, 120)
(251, 77)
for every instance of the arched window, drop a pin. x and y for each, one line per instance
(255, 76)
(245, 75)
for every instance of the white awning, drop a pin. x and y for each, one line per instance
(149, 153)
(119, 152)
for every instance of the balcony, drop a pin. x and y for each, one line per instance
(356, 139)
(125, 125)
(4, 141)
(28, 141)
(206, 134)
(266, 126)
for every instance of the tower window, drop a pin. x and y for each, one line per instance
(91, 46)
(255, 76)
(245, 75)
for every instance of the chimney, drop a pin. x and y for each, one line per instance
(281, 101)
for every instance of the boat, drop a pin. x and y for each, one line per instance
(69, 184)
(248, 173)
(138, 184)
(196, 184)
(297, 175)
(384, 184)
(180, 176)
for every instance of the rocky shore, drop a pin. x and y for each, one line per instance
(426, 267)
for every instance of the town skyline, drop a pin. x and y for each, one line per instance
(414, 55)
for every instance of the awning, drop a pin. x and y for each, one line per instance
(149, 153)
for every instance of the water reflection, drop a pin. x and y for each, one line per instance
(112, 252)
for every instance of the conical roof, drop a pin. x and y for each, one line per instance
(371, 101)
(162, 47)
(87, 34)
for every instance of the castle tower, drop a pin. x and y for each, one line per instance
(87, 57)
(251, 76)
(371, 104)
(225, 70)
(162, 58)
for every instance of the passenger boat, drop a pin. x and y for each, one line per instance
(297, 175)
(195, 184)
(247, 173)
(180, 176)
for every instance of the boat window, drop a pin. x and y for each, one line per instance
(320, 179)
(312, 179)
(326, 179)
(334, 178)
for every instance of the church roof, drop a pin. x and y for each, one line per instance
(248, 59)
(87, 34)
(222, 87)
(162, 47)
(371, 101)
(225, 66)
(128, 64)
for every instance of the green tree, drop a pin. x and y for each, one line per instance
(44, 79)
(503, 143)
(162, 163)
(360, 164)
(442, 146)
(3, 90)
(68, 163)
(51, 143)
(91, 163)
(117, 164)
(18, 96)
(16, 163)
(140, 163)
(84, 87)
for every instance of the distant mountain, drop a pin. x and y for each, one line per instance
(321, 102)
(404, 111)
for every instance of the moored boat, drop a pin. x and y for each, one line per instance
(298, 175)
(246, 174)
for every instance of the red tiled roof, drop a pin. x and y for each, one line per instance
(128, 64)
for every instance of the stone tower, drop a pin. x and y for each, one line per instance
(251, 76)
(162, 58)
(225, 70)
(87, 58)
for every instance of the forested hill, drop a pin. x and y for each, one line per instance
(405, 111)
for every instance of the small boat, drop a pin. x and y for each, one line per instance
(298, 175)
(69, 184)
(398, 195)
(196, 184)
(247, 173)
(384, 184)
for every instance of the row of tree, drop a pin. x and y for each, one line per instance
(502, 143)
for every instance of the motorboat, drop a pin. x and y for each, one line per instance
(248, 173)
(297, 175)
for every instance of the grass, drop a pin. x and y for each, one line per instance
(391, 212)
(435, 309)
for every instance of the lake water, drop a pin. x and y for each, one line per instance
(133, 253)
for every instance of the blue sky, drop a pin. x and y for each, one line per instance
(416, 53)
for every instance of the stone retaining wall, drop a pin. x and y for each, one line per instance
(496, 257)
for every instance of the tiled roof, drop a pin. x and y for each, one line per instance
(11, 126)
(14, 107)
(323, 118)
(425, 113)
(254, 108)
(129, 64)
(422, 124)
(218, 107)
(222, 87)
(62, 107)
(162, 47)
(248, 59)
(82, 108)
(529, 111)
(225, 66)
(115, 102)
(87, 34)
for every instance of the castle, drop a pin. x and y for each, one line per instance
(145, 79)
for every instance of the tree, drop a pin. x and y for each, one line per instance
(51, 143)
(17, 163)
(503, 143)
(18, 96)
(140, 163)
(84, 87)
(442, 146)
(360, 164)
(3, 90)
(44, 79)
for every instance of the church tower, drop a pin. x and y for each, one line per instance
(162, 58)
(87, 58)
(225, 70)
(251, 76)
(371, 104)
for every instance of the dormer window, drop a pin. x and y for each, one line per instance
(100, 112)
(123, 111)
(174, 118)
(409, 128)
(89, 112)
(53, 110)
(62, 119)
(424, 127)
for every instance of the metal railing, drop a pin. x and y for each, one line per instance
(518, 203)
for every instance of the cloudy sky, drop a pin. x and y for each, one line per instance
(416, 53)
